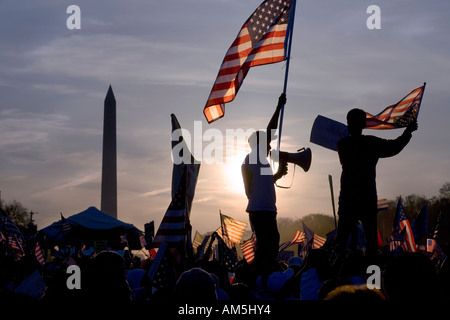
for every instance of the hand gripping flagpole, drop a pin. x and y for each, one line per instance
(289, 30)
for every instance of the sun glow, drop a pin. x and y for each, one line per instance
(233, 173)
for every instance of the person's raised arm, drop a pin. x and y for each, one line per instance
(273, 123)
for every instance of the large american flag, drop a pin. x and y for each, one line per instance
(402, 233)
(299, 238)
(398, 115)
(261, 40)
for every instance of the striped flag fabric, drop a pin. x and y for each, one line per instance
(38, 253)
(248, 248)
(318, 241)
(227, 256)
(402, 234)
(231, 230)
(382, 204)
(261, 40)
(172, 229)
(161, 273)
(14, 243)
(398, 115)
(299, 238)
(65, 224)
(198, 239)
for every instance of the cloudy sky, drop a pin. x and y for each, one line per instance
(162, 57)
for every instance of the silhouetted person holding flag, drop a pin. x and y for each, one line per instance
(259, 182)
(359, 155)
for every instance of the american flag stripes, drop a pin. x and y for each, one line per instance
(398, 115)
(65, 224)
(248, 248)
(382, 204)
(198, 239)
(38, 253)
(161, 273)
(231, 230)
(14, 243)
(261, 40)
(227, 256)
(402, 234)
(172, 229)
(318, 241)
(299, 238)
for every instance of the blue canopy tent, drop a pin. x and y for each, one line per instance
(92, 225)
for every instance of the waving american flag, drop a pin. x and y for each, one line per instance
(261, 40)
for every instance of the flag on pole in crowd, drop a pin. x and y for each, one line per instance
(398, 115)
(309, 239)
(382, 204)
(248, 248)
(227, 256)
(318, 241)
(65, 224)
(231, 230)
(38, 253)
(149, 231)
(161, 273)
(14, 243)
(261, 40)
(142, 241)
(299, 238)
(402, 234)
(7, 225)
(420, 224)
(175, 228)
(198, 239)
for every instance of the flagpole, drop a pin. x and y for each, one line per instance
(288, 59)
(330, 179)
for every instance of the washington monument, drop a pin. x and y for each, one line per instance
(109, 162)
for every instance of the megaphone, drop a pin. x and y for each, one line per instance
(302, 158)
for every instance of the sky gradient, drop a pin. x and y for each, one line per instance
(162, 57)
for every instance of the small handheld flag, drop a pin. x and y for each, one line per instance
(398, 115)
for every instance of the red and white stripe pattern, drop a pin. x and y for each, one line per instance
(382, 204)
(260, 41)
(248, 248)
(198, 239)
(38, 253)
(231, 230)
(318, 241)
(409, 243)
(398, 115)
(298, 238)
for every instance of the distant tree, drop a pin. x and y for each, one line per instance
(17, 212)
(444, 191)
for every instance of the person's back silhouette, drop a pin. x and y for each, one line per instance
(358, 155)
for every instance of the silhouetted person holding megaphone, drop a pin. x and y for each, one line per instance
(259, 182)
(359, 155)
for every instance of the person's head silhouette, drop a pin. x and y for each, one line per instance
(356, 121)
